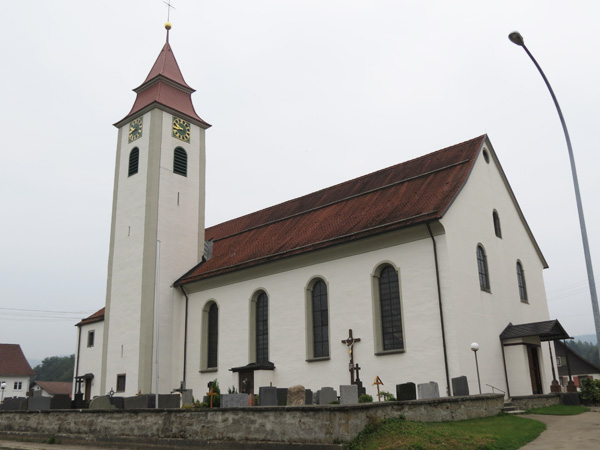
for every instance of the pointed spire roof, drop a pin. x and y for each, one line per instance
(165, 88)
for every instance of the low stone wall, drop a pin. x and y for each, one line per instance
(526, 402)
(282, 425)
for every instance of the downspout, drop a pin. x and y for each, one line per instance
(185, 335)
(77, 383)
(439, 291)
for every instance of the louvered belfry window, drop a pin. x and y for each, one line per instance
(180, 162)
(320, 318)
(213, 335)
(134, 161)
(391, 315)
(262, 328)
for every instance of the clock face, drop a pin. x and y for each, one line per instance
(135, 129)
(181, 129)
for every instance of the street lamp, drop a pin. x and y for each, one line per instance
(516, 38)
(475, 347)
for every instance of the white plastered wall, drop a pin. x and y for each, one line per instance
(89, 359)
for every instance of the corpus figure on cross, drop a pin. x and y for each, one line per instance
(350, 341)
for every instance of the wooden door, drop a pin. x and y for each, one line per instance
(534, 369)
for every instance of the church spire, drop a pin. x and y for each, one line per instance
(165, 88)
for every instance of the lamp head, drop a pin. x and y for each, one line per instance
(474, 346)
(3, 385)
(516, 38)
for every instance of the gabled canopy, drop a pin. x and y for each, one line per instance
(550, 330)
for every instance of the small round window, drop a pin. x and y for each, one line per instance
(486, 156)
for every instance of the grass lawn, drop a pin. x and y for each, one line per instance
(503, 432)
(559, 410)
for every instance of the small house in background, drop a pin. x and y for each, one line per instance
(51, 388)
(15, 371)
(567, 358)
(88, 360)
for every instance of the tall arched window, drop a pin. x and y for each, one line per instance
(262, 328)
(521, 282)
(390, 310)
(180, 161)
(482, 267)
(320, 320)
(496, 219)
(213, 336)
(134, 161)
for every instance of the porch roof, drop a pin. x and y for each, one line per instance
(549, 330)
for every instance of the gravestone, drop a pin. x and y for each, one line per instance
(348, 394)
(267, 396)
(60, 401)
(118, 402)
(144, 401)
(428, 390)
(282, 394)
(308, 399)
(187, 397)
(101, 403)
(326, 396)
(169, 401)
(38, 403)
(361, 390)
(296, 396)
(234, 400)
(406, 391)
(460, 386)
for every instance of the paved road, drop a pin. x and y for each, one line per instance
(580, 432)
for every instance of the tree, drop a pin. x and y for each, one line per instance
(55, 368)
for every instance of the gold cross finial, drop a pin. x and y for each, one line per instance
(168, 23)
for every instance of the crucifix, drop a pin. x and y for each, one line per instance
(350, 341)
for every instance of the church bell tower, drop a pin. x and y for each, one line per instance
(157, 232)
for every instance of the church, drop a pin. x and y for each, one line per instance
(394, 274)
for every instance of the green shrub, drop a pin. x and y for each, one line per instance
(590, 390)
(365, 398)
(387, 396)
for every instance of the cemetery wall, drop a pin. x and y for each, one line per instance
(305, 424)
(536, 401)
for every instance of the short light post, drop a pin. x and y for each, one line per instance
(475, 347)
(2, 386)
(516, 38)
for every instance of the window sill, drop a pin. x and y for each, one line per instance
(210, 369)
(320, 358)
(389, 352)
(489, 291)
(524, 300)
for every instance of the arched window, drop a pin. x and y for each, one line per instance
(213, 335)
(388, 310)
(262, 328)
(180, 161)
(482, 267)
(521, 282)
(319, 320)
(134, 161)
(497, 229)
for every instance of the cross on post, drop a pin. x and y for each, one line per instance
(169, 7)
(211, 393)
(350, 341)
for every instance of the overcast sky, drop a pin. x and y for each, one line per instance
(301, 95)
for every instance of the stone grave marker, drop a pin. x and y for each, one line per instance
(234, 400)
(15, 404)
(348, 394)
(187, 397)
(118, 402)
(406, 391)
(60, 401)
(267, 396)
(460, 386)
(296, 396)
(144, 401)
(428, 390)
(282, 394)
(308, 399)
(38, 403)
(169, 401)
(326, 396)
(101, 403)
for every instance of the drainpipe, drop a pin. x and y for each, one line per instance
(439, 291)
(77, 384)
(185, 334)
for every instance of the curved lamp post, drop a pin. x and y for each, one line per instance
(475, 347)
(516, 38)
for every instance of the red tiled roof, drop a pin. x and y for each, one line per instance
(13, 362)
(411, 193)
(56, 387)
(98, 316)
(164, 86)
